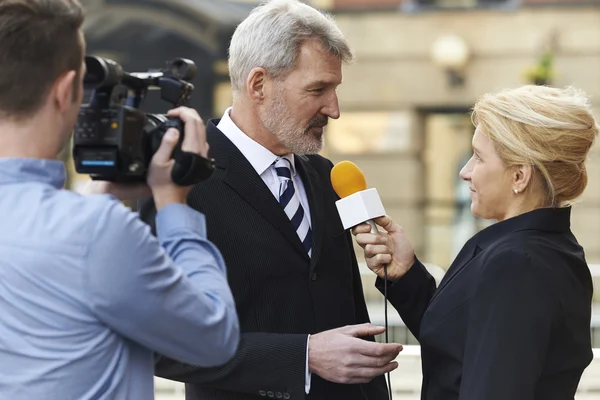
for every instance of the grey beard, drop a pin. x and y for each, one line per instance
(299, 140)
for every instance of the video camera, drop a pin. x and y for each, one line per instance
(114, 140)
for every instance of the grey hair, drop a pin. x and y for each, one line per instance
(271, 37)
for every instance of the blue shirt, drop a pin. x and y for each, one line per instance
(87, 293)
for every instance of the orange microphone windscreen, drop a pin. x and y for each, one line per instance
(347, 179)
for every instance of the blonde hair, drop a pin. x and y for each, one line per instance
(551, 129)
(271, 37)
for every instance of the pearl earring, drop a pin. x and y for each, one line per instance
(516, 191)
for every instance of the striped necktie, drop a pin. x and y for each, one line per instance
(290, 201)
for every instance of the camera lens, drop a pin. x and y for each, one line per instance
(101, 72)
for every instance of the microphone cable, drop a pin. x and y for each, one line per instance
(375, 231)
(385, 313)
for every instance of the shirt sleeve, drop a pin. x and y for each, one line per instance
(509, 327)
(170, 295)
(308, 374)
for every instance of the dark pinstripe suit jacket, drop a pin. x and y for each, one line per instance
(282, 295)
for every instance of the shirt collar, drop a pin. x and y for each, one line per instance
(258, 156)
(15, 170)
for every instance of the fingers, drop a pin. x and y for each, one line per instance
(384, 351)
(364, 239)
(366, 374)
(385, 222)
(194, 140)
(363, 330)
(362, 228)
(388, 224)
(169, 140)
(339, 356)
(372, 250)
(371, 360)
(376, 248)
(376, 262)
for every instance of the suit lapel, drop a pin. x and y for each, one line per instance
(468, 252)
(314, 193)
(243, 179)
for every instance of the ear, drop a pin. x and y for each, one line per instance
(522, 177)
(256, 84)
(62, 91)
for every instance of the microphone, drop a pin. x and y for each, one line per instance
(357, 204)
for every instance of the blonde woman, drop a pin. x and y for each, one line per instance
(511, 318)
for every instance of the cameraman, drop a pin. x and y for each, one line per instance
(86, 292)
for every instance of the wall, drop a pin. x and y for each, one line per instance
(394, 78)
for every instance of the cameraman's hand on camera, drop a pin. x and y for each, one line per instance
(164, 191)
(391, 248)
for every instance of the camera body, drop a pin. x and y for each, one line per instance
(114, 140)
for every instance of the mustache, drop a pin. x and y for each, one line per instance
(319, 120)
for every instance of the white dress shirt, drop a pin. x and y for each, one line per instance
(262, 161)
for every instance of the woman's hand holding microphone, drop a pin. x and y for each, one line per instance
(391, 248)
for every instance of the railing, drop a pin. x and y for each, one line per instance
(406, 380)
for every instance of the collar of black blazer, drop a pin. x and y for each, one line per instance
(542, 219)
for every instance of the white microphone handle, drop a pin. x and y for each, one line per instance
(373, 226)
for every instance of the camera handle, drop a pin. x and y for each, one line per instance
(189, 168)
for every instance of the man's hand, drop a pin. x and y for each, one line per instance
(164, 191)
(391, 248)
(159, 183)
(338, 355)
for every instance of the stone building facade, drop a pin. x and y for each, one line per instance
(405, 117)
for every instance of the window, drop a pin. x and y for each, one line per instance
(369, 132)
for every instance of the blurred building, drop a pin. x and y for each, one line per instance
(421, 64)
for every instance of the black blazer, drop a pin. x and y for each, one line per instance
(281, 294)
(511, 317)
